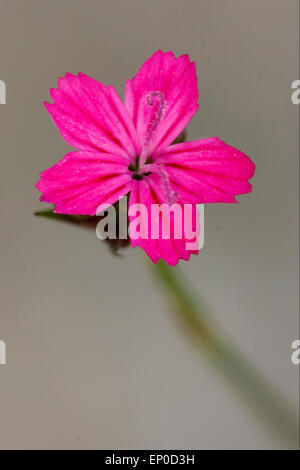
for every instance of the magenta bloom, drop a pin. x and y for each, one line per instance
(127, 148)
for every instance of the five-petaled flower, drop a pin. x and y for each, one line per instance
(126, 147)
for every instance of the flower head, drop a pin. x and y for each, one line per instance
(125, 148)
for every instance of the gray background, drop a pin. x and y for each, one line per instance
(95, 358)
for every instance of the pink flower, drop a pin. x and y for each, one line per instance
(127, 148)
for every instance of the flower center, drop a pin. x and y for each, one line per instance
(138, 172)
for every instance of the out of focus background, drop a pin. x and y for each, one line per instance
(95, 359)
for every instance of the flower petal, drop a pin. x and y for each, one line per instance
(91, 116)
(147, 192)
(207, 170)
(82, 181)
(162, 99)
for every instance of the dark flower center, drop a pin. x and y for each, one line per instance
(138, 173)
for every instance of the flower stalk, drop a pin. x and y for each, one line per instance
(213, 343)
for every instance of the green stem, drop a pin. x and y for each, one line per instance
(232, 365)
